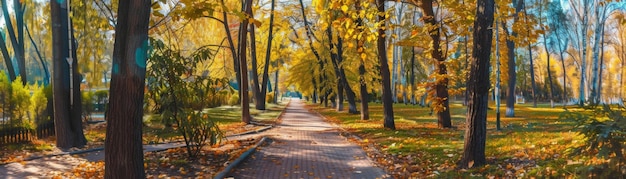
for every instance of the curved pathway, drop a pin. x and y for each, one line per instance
(305, 146)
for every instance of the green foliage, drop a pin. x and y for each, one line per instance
(178, 94)
(197, 129)
(604, 132)
(101, 100)
(22, 105)
(20, 100)
(39, 104)
(88, 106)
(234, 100)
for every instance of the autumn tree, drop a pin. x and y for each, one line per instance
(478, 86)
(511, 34)
(441, 87)
(66, 87)
(124, 149)
(384, 69)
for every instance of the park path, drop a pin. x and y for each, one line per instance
(305, 146)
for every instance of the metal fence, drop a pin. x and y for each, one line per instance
(12, 135)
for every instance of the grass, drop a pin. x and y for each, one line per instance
(532, 143)
(228, 119)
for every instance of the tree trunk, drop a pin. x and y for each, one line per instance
(599, 95)
(350, 96)
(545, 46)
(441, 88)
(532, 75)
(365, 114)
(510, 44)
(231, 43)
(412, 80)
(254, 72)
(333, 58)
(268, 53)
(7, 60)
(583, 59)
(67, 101)
(243, 65)
(478, 86)
(309, 35)
(17, 40)
(276, 93)
(124, 149)
(384, 71)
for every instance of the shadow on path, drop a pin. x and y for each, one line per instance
(305, 146)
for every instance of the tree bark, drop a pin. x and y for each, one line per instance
(478, 86)
(384, 71)
(532, 75)
(124, 149)
(66, 102)
(268, 53)
(17, 40)
(254, 71)
(365, 114)
(231, 43)
(7, 60)
(510, 44)
(309, 34)
(441, 88)
(350, 96)
(243, 65)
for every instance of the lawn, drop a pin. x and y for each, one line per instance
(533, 143)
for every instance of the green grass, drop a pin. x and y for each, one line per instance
(535, 134)
(227, 117)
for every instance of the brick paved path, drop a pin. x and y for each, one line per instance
(304, 146)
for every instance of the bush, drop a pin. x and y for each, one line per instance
(20, 100)
(87, 99)
(234, 100)
(39, 104)
(604, 132)
(102, 99)
(197, 129)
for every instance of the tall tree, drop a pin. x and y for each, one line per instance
(17, 39)
(66, 87)
(309, 34)
(441, 87)
(268, 52)
(365, 112)
(124, 149)
(478, 86)
(384, 69)
(510, 44)
(243, 65)
(581, 10)
(546, 48)
(557, 23)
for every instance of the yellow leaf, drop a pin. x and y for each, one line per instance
(344, 8)
(363, 56)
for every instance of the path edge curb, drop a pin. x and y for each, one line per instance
(241, 158)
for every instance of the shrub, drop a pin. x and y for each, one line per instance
(234, 100)
(102, 99)
(39, 104)
(20, 100)
(604, 132)
(197, 129)
(87, 100)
